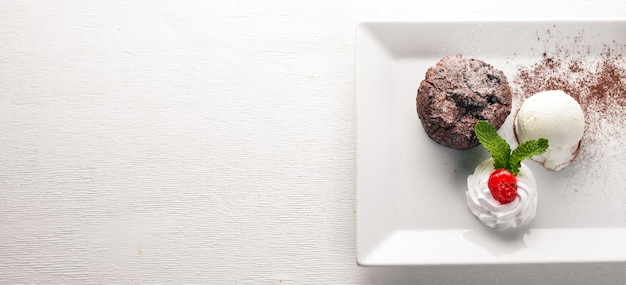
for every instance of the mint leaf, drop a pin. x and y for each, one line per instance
(526, 150)
(499, 149)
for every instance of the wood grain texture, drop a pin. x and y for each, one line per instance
(203, 142)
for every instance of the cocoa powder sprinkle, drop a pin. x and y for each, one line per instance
(598, 84)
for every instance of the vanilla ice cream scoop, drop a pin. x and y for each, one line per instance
(557, 117)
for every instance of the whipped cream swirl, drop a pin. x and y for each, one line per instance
(501, 216)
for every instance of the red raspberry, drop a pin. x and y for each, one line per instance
(503, 185)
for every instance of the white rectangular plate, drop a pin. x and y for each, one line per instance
(410, 191)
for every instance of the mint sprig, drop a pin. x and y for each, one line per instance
(500, 150)
(526, 150)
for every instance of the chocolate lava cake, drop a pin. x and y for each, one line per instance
(456, 93)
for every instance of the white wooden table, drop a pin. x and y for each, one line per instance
(205, 142)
